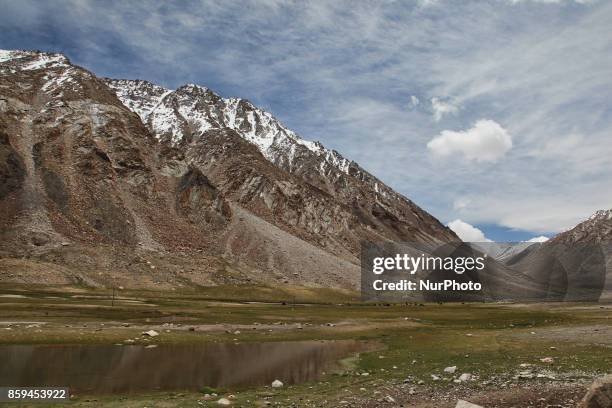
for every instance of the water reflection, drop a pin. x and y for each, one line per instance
(121, 369)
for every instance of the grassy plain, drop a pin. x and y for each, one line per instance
(501, 345)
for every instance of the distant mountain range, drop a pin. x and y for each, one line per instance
(126, 183)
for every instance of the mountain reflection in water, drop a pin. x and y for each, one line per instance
(121, 369)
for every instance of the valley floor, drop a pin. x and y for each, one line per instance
(500, 345)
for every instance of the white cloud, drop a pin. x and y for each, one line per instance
(541, 238)
(487, 140)
(467, 232)
(442, 108)
(414, 101)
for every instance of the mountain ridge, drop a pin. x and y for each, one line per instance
(96, 195)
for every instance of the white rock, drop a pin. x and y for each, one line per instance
(390, 399)
(224, 402)
(548, 360)
(466, 404)
(450, 370)
(465, 377)
(277, 384)
(150, 333)
(435, 377)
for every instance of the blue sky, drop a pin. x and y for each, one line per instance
(496, 113)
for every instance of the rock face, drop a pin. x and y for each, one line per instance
(596, 229)
(108, 182)
(599, 394)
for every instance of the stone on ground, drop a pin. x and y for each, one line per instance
(466, 404)
(465, 377)
(390, 399)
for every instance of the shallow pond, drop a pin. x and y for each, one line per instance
(132, 368)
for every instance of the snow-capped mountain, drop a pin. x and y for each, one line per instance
(185, 113)
(124, 170)
(182, 117)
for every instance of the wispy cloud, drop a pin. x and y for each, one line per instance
(344, 73)
(441, 108)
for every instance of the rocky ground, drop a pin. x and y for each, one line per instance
(427, 355)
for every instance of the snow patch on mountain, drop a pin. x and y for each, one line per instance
(6, 55)
(601, 215)
(193, 109)
(33, 60)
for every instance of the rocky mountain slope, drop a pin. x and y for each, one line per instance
(116, 182)
(575, 264)
(187, 116)
(596, 229)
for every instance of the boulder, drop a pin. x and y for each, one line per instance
(599, 394)
(150, 333)
(277, 384)
(224, 402)
(450, 370)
